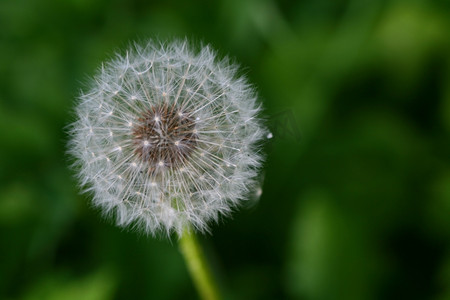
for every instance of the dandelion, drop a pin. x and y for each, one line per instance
(167, 138)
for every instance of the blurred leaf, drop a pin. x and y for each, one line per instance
(329, 256)
(438, 205)
(406, 36)
(97, 286)
(16, 204)
(444, 279)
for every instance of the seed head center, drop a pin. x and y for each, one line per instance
(164, 137)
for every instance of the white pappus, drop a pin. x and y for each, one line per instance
(167, 137)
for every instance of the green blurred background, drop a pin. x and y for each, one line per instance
(356, 196)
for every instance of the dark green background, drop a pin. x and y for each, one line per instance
(356, 196)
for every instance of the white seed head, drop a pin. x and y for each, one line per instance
(167, 137)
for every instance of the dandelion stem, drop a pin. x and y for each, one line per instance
(197, 266)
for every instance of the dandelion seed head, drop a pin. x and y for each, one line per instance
(166, 137)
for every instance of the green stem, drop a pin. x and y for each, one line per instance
(197, 266)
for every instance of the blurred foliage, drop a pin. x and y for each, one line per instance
(357, 208)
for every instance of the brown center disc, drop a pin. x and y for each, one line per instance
(164, 137)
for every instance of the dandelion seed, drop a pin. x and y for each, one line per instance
(190, 153)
